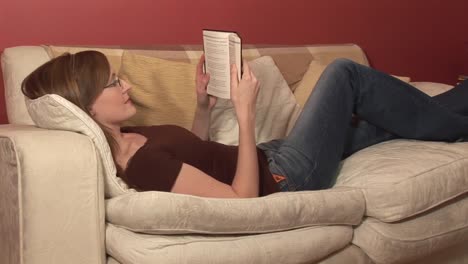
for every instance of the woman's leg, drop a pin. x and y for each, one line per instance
(310, 155)
(364, 134)
(455, 99)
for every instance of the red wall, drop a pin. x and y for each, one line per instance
(419, 38)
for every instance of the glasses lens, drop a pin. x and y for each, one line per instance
(114, 83)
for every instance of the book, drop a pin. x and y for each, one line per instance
(222, 48)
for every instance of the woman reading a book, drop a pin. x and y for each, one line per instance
(173, 159)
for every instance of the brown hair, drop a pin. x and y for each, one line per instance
(79, 78)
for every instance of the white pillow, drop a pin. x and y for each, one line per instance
(276, 109)
(52, 111)
(167, 213)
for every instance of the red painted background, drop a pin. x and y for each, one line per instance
(423, 39)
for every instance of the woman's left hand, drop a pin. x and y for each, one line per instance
(204, 100)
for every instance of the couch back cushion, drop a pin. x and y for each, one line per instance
(17, 63)
(292, 61)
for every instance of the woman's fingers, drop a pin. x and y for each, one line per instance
(201, 78)
(246, 70)
(234, 80)
(200, 65)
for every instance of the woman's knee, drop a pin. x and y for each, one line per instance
(342, 64)
(339, 69)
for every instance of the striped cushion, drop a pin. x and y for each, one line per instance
(292, 61)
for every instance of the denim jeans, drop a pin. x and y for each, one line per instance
(388, 108)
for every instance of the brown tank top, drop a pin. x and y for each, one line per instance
(156, 165)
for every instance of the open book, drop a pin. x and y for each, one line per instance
(221, 49)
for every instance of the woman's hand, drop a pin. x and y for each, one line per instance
(204, 100)
(244, 93)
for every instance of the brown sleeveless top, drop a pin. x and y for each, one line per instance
(156, 165)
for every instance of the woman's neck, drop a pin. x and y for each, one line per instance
(116, 133)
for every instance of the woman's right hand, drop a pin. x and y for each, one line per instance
(244, 93)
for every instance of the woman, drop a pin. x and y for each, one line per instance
(171, 158)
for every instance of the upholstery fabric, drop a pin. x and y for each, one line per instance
(307, 84)
(401, 178)
(114, 55)
(454, 255)
(163, 91)
(166, 213)
(60, 202)
(432, 231)
(292, 246)
(292, 62)
(17, 63)
(111, 260)
(432, 88)
(10, 216)
(350, 254)
(52, 111)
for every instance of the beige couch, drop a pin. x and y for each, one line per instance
(400, 201)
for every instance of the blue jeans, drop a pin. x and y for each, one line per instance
(388, 108)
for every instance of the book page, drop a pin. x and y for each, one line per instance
(216, 46)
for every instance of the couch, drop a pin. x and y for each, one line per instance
(400, 201)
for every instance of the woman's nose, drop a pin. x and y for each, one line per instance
(125, 86)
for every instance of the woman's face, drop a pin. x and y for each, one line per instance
(113, 105)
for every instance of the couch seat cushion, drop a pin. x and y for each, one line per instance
(437, 229)
(401, 178)
(349, 254)
(293, 246)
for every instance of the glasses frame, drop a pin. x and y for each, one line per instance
(115, 83)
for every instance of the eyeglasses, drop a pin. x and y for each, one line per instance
(116, 82)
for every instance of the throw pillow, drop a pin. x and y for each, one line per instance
(307, 84)
(52, 111)
(163, 90)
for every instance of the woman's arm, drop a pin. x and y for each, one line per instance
(246, 179)
(201, 123)
(243, 97)
(205, 102)
(195, 182)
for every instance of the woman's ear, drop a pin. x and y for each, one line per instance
(91, 112)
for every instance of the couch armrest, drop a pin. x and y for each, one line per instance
(52, 197)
